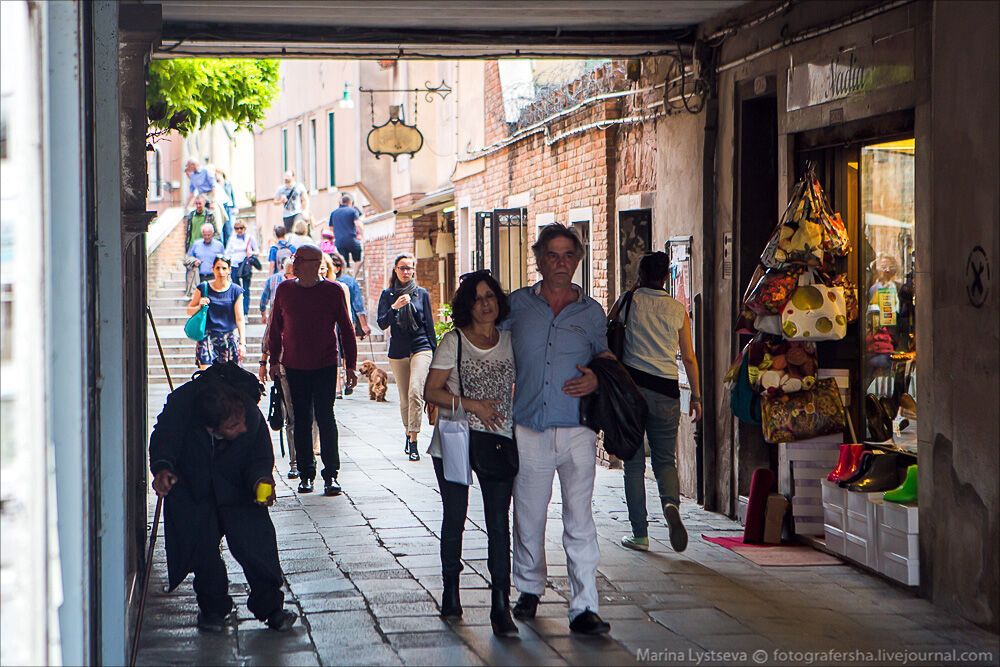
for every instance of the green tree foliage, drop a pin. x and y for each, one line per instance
(187, 94)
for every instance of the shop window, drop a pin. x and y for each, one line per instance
(509, 247)
(888, 267)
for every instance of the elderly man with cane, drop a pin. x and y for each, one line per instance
(211, 458)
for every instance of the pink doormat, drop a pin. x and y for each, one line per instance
(774, 555)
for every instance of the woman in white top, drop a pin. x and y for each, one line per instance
(657, 327)
(241, 246)
(487, 369)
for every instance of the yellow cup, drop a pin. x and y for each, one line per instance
(264, 491)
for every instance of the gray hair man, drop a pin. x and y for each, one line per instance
(557, 330)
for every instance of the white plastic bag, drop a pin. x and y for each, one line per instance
(454, 435)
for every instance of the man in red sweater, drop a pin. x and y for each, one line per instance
(302, 337)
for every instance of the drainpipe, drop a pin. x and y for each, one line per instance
(706, 347)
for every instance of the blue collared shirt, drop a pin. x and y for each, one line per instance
(547, 349)
(200, 181)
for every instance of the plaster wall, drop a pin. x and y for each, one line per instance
(960, 444)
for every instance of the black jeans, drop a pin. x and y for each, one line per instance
(313, 392)
(350, 250)
(496, 506)
(251, 539)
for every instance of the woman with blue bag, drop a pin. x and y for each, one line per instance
(216, 312)
(473, 372)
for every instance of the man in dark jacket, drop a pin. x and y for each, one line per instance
(209, 452)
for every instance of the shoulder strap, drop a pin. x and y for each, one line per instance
(628, 306)
(203, 288)
(461, 390)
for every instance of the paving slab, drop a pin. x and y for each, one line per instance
(363, 571)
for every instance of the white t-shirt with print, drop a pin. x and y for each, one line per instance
(486, 375)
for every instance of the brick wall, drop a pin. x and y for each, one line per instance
(168, 257)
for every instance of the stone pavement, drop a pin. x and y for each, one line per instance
(362, 570)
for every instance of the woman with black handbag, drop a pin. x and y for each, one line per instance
(474, 367)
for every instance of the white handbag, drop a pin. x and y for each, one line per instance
(815, 312)
(454, 435)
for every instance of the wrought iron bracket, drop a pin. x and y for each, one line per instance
(428, 90)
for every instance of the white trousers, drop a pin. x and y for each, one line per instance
(572, 453)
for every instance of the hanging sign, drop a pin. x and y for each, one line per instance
(853, 71)
(395, 138)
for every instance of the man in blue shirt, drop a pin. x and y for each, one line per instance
(205, 251)
(279, 251)
(200, 181)
(347, 232)
(357, 300)
(556, 331)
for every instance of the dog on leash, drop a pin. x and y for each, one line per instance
(378, 381)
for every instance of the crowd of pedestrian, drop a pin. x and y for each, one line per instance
(513, 370)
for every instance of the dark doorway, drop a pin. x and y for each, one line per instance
(757, 215)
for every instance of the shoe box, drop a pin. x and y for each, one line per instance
(806, 462)
(865, 529)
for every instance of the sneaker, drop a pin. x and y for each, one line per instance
(293, 473)
(331, 487)
(306, 486)
(209, 622)
(406, 445)
(678, 533)
(348, 391)
(413, 453)
(589, 623)
(281, 620)
(637, 543)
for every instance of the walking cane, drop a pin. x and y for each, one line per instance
(156, 520)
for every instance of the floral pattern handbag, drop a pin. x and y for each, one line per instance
(804, 414)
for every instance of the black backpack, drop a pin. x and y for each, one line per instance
(235, 376)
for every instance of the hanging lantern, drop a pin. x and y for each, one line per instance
(395, 137)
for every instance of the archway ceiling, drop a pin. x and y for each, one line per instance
(430, 28)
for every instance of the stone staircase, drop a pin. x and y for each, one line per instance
(165, 291)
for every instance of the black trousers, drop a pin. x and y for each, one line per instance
(313, 392)
(250, 535)
(496, 505)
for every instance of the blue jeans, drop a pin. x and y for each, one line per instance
(661, 430)
(245, 284)
(227, 231)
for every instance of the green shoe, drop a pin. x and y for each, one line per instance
(637, 543)
(905, 492)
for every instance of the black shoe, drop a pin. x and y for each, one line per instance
(281, 620)
(348, 391)
(406, 446)
(293, 473)
(209, 622)
(451, 603)
(503, 624)
(306, 485)
(589, 623)
(331, 488)
(413, 453)
(678, 533)
(527, 605)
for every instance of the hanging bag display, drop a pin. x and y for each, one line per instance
(194, 328)
(803, 415)
(815, 312)
(769, 294)
(780, 366)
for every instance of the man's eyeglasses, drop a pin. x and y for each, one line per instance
(481, 273)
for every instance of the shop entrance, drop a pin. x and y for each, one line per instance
(757, 210)
(870, 180)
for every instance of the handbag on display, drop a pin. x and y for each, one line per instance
(798, 239)
(815, 312)
(836, 240)
(769, 294)
(850, 295)
(194, 328)
(802, 415)
(743, 401)
(616, 328)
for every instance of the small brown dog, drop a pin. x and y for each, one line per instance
(378, 381)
